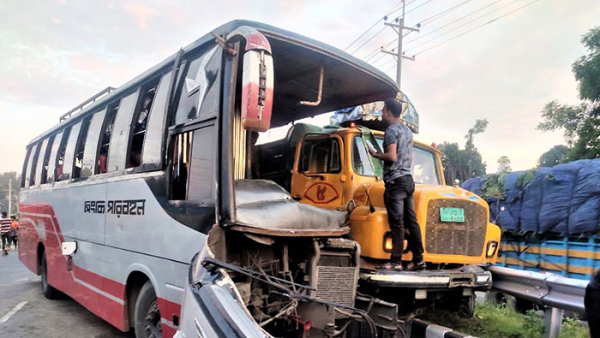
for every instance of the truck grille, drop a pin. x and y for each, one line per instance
(465, 239)
(336, 284)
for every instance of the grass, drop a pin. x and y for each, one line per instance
(500, 321)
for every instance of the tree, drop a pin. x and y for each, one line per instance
(580, 122)
(4, 188)
(504, 165)
(465, 163)
(556, 155)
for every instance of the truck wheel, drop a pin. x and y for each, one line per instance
(47, 290)
(147, 314)
(466, 307)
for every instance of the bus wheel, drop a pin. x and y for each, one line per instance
(147, 314)
(47, 290)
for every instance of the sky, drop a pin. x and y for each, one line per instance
(54, 54)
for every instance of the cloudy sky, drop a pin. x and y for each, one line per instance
(56, 53)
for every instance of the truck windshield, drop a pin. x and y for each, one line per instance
(423, 162)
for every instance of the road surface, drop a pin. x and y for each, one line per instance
(24, 312)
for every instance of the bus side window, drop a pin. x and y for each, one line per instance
(80, 148)
(53, 151)
(119, 140)
(46, 154)
(140, 123)
(33, 166)
(90, 147)
(193, 165)
(182, 145)
(27, 167)
(67, 167)
(155, 130)
(60, 156)
(24, 170)
(106, 134)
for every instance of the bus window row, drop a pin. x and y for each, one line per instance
(126, 133)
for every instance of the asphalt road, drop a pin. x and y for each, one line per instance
(37, 316)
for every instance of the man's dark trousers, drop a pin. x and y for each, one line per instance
(399, 203)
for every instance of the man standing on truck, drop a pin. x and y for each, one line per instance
(399, 186)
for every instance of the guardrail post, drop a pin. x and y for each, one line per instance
(552, 322)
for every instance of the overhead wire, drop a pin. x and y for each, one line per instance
(396, 19)
(459, 19)
(468, 31)
(375, 24)
(393, 10)
(426, 20)
(477, 27)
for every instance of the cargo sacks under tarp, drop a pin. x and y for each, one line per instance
(564, 199)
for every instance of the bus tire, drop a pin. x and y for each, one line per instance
(147, 314)
(47, 290)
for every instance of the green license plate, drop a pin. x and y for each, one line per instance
(456, 215)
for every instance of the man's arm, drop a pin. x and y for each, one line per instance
(389, 155)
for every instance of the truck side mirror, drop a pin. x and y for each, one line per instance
(257, 90)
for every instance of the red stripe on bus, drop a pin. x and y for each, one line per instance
(64, 280)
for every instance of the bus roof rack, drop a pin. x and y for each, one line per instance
(82, 105)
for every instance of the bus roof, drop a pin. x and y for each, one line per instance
(293, 82)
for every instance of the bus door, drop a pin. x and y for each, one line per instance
(318, 178)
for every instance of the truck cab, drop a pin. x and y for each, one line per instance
(331, 168)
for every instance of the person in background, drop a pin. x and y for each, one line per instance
(399, 186)
(5, 233)
(14, 227)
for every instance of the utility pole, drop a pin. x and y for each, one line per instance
(399, 55)
(9, 197)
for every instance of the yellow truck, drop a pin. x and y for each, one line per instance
(330, 167)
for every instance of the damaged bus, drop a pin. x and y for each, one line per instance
(142, 204)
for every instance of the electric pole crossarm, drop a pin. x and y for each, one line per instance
(399, 55)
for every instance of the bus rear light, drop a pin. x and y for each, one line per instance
(353, 125)
(491, 249)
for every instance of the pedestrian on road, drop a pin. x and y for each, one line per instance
(399, 186)
(14, 227)
(5, 223)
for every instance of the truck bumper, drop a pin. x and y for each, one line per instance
(468, 276)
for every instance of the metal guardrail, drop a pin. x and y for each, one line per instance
(552, 292)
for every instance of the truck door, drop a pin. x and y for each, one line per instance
(318, 177)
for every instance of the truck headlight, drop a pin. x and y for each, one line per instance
(491, 249)
(387, 242)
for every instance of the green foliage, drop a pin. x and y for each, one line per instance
(579, 122)
(465, 163)
(4, 187)
(556, 155)
(504, 165)
(493, 186)
(500, 321)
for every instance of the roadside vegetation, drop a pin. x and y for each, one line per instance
(500, 321)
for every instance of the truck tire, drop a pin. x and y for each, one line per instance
(147, 314)
(47, 290)
(466, 307)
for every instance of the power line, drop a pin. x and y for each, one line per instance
(461, 18)
(441, 14)
(430, 19)
(375, 24)
(470, 30)
(396, 19)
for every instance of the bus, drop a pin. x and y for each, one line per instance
(119, 197)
